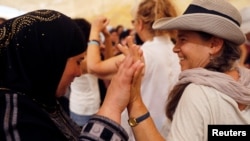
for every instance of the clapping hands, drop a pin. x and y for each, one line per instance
(125, 85)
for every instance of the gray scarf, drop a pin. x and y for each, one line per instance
(237, 90)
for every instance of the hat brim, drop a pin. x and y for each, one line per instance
(213, 24)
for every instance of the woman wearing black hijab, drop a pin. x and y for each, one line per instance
(37, 49)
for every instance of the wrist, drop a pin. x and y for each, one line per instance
(107, 111)
(94, 34)
(135, 121)
(94, 42)
(95, 31)
(136, 108)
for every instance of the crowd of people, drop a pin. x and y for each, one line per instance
(167, 78)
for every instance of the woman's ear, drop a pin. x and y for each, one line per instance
(216, 46)
(140, 24)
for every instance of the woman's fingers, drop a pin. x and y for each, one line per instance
(123, 49)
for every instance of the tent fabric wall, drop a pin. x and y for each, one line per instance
(118, 11)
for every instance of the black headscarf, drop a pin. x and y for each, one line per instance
(34, 49)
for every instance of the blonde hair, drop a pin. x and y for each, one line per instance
(150, 10)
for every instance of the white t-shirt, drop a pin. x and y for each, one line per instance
(199, 107)
(161, 73)
(85, 95)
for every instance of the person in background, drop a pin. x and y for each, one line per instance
(119, 29)
(84, 97)
(123, 36)
(245, 47)
(114, 36)
(115, 41)
(87, 89)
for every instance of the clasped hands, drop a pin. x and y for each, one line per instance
(124, 88)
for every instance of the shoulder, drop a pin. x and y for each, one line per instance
(193, 90)
(197, 95)
(193, 108)
(198, 90)
(202, 98)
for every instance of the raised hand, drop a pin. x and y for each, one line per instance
(99, 24)
(119, 91)
(136, 53)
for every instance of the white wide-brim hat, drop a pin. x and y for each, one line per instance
(216, 17)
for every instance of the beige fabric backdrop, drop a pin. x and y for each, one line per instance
(119, 11)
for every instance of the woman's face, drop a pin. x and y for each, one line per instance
(72, 69)
(192, 50)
